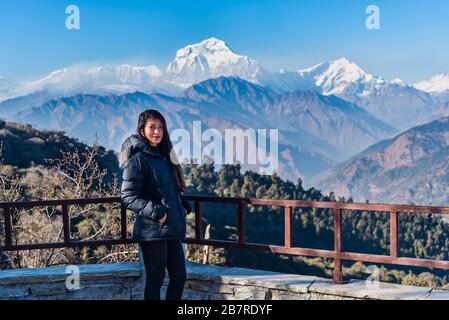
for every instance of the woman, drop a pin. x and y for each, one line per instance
(152, 188)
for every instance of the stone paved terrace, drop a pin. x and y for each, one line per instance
(125, 281)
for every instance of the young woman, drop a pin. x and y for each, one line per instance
(152, 188)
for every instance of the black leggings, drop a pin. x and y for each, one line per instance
(157, 255)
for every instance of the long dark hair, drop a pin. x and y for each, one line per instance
(165, 146)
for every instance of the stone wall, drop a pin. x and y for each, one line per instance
(126, 281)
(212, 282)
(102, 281)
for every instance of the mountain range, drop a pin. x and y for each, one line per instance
(315, 131)
(399, 104)
(412, 167)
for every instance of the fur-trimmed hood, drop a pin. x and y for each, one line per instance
(131, 145)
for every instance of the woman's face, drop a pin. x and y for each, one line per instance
(153, 131)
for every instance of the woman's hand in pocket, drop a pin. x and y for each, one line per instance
(164, 218)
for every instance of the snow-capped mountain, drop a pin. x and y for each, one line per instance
(194, 63)
(336, 77)
(101, 79)
(340, 77)
(395, 102)
(436, 84)
(210, 58)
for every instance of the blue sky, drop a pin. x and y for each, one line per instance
(412, 43)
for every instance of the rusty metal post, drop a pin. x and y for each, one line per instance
(8, 226)
(288, 227)
(198, 220)
(66, 222)
(338, 274)
(123, 221)
(393, 234)
(241, 222)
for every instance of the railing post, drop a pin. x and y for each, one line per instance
(8, 226)
(338, 275)
(198, 220)
(394, 234)
(123, 219)
(241, 222)
(288, 227)
(66, 222)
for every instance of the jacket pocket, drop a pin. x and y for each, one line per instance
(145, 223)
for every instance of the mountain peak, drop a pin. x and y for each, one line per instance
(214, 42)
(343, 61)
(207, 46)
(341, 65)
(335, 76)
(399, 82)
(352, 70)
(435, 84)
(210, 58)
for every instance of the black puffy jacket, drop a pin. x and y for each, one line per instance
(150, 190)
